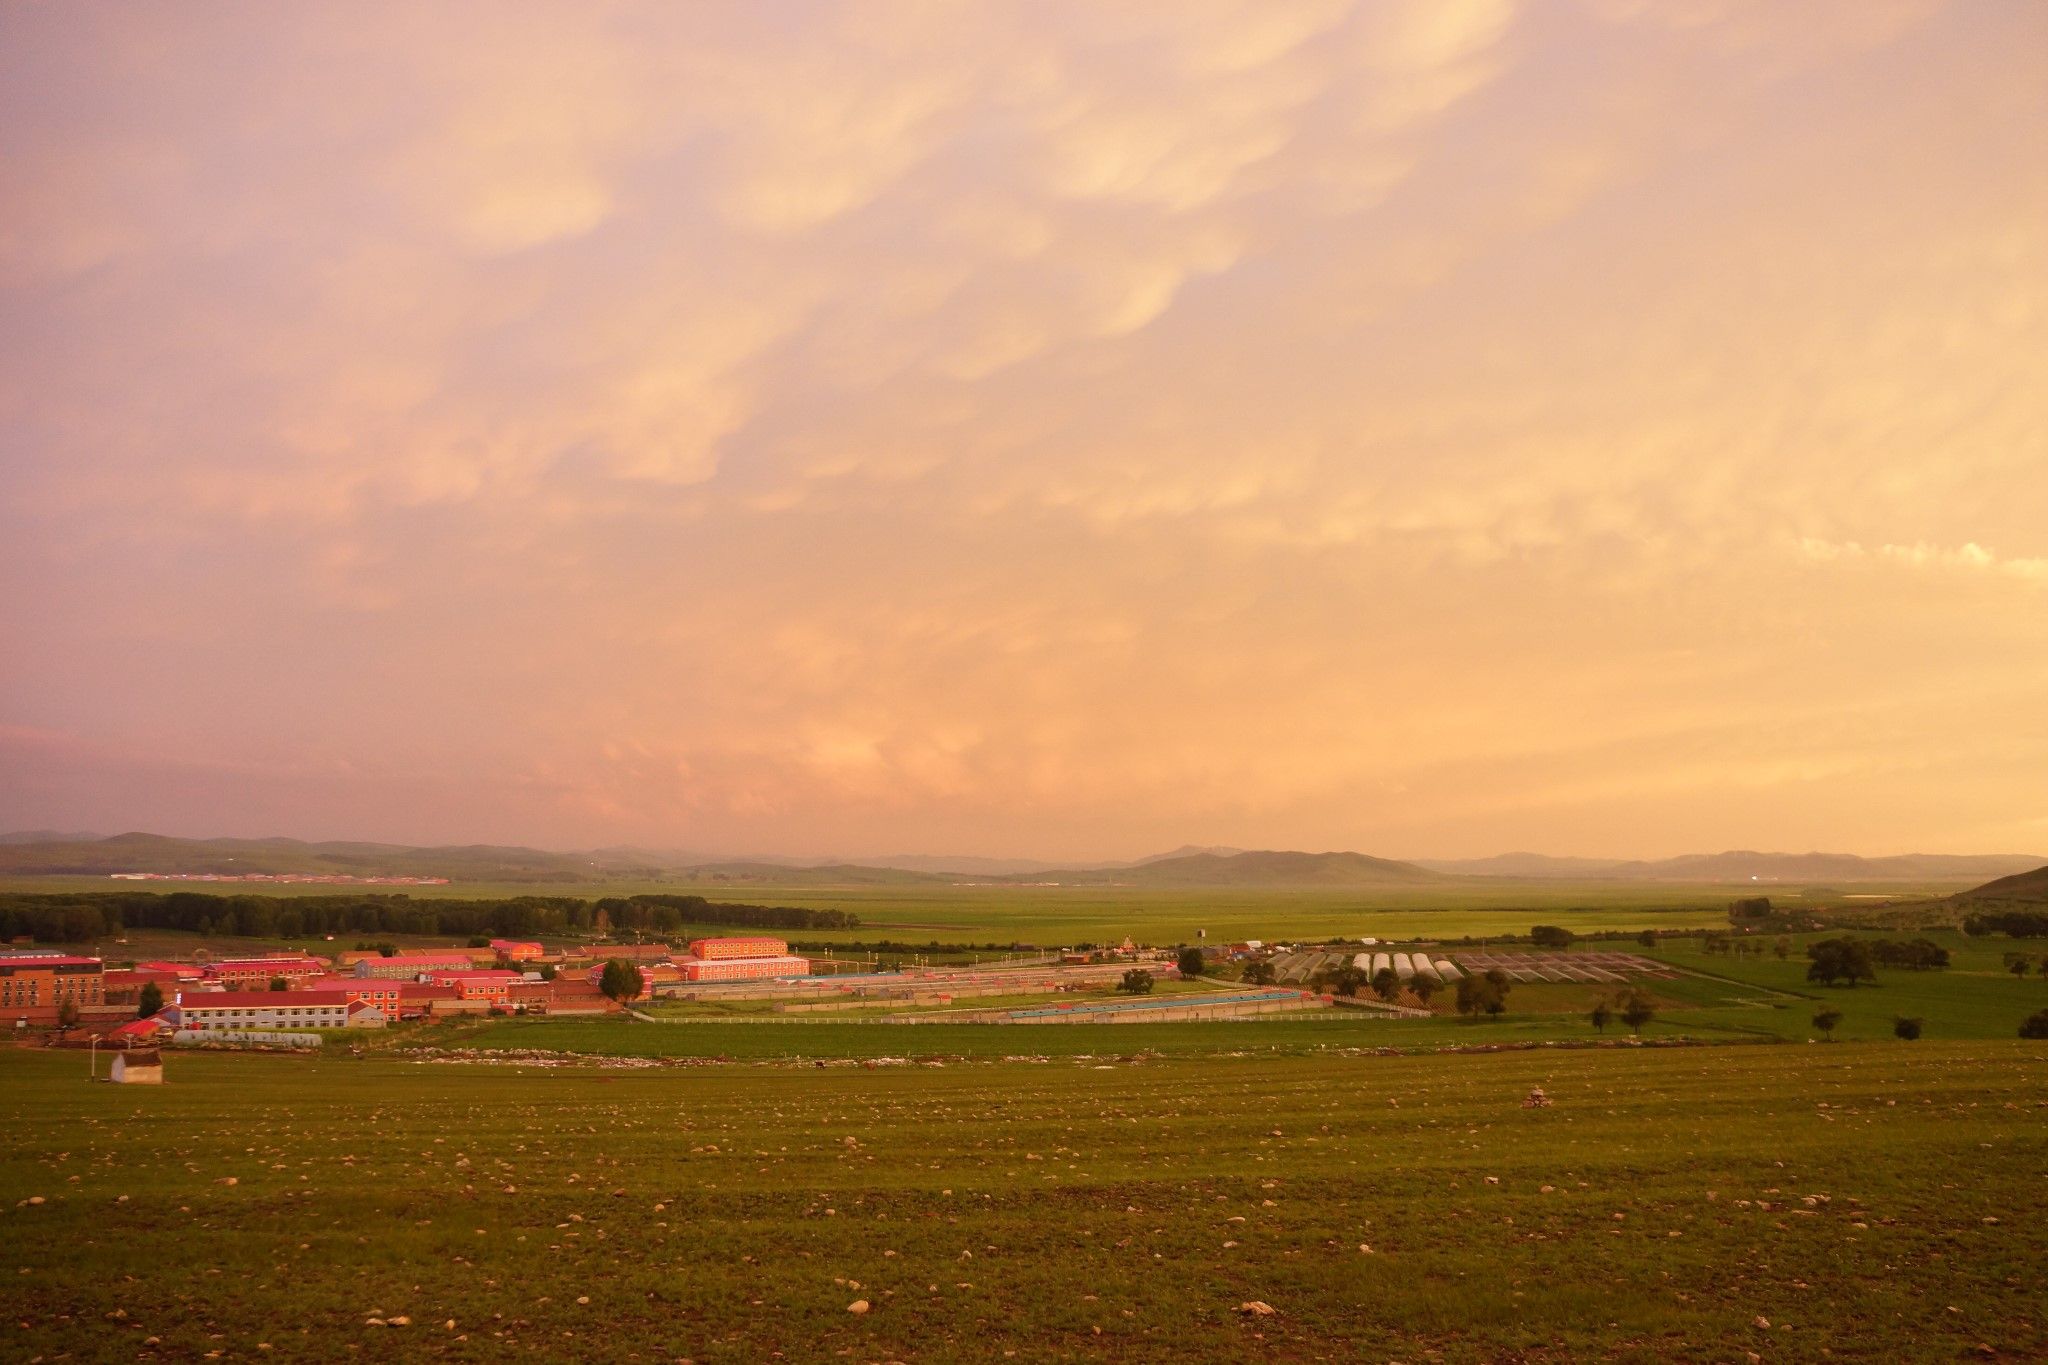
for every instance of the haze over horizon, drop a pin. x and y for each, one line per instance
(1032, 430)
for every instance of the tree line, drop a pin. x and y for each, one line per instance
(2011, 923)
(85, 917)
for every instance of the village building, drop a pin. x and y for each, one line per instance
(35, 986)
(517, 950)
(138, 1066)
(213, 1011)
(412, 966)
(256, 973)
(741, 959)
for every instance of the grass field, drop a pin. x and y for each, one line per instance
(1873, 1203)
(1974, 998)
(1060, 916)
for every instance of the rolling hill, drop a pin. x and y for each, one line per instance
(1260, 868)
(2024, 888)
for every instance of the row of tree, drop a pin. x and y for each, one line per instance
(89, 916)
(2011, 923)
(1850, 960)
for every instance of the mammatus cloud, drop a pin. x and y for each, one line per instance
(1028, 427)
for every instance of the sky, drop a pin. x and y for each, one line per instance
(1045, 428)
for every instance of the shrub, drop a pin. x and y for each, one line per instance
(1826, 1021)
(2036, 1025)
(1190, 962)
(1136, 981)
(1905, 1028)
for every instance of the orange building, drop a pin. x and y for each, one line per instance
(256, 973)
(493, 987)
(712, 949)
(35, 986)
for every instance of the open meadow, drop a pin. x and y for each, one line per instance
(1057, 916)
(1866, 1202)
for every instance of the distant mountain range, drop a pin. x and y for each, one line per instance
(44, 853)
(1743, 866)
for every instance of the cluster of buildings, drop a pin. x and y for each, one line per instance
(357, 989)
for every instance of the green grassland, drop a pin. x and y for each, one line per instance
(1866, 1203)
(1975, 997)
(1057, 916)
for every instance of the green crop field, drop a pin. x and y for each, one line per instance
(1860, 1202)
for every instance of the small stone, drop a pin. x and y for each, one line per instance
(1257, 1308)
(857, 1307)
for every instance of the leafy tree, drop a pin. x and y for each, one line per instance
(1258, 972)
(1783, 948)
(1346, 978)
(2036, 1025)
(1826, 1020)
(1600, 1017)
(151, 1000)
(547, 971)
(2019, 964)
(1486, 994)
(1840, 959)
(1908, 1029)
(1423, 986)
(1551, 936)
(67, 1013)
(621, 980)
(1191, 962)
(1386, 984)
(1647, 938)
(1136, 981)
(1637, 1009)
(278, 983)
(479, 940)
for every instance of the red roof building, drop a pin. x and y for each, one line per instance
(492, 986)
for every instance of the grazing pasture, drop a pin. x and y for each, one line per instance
(1687, 1204)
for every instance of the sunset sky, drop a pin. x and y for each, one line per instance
(1059, 429)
